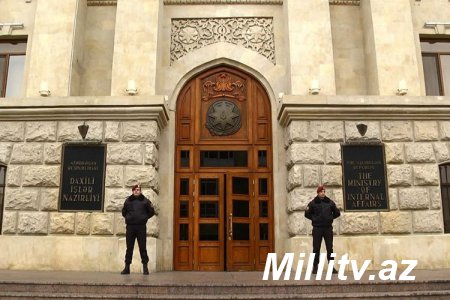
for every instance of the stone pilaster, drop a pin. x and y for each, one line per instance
(52, 51)
(139, 38)
(310, 45)
(390, 47)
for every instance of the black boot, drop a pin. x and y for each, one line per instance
(126, 270)
(145, 269)
(314, 270)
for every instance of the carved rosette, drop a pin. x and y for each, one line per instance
(255, 34)
(223, 85)
(223, 118)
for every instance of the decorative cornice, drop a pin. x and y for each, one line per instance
(345, 2)
(192, 2)
(101, 2)
(362, 108)
(85, 108)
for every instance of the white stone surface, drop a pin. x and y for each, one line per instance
(295, 177)
(435, 197)
(419, 153)
(14, 176)
(27, 153)
(21, 199)
(114, 176)
(333, 153)
(426, 175)
(413, 198)
(426, 131)
(102, 223)
(41, 176)
(359, 223)
(296, 131)
(83, 223)
(396, 222)
(147, 176)
(40, 131)
(151, 156)
(311, 176)
(297, 223)
(299, 198)
(12, 131)
(124, 154)
(33, 223)
(137, 131)
(399, 175)
(49, 199)
(5, 152)
(332, 175)
(52, 153)
(327, 131)
(427, 221)
(441, 152)
(112, 131)
(396, 131)
(305, 153)
(9, 222)
(62, 223)
(394, 153)
(115, 198)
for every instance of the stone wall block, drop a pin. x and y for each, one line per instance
(393, 199)
(62, 223)
(444, 130)
(419, 153)
(9, 222)
(329, 131)
(40, 132)
(147, 176)
(27, 153)
(68, 131)
(49, 199)
(115, 198)
(297, 224)
(154, 199)
(299, 198)
(394, 153)
(33, 223)
(21, 199)
(124, 154)
(151, 156)
(359, 223)
(297, 131)
(441, 151)
(52, 153)
(413, 198)
(12, 131)
(120, 226)
(372, 133)
(83, 223)
(337, 196)
(426, 175)
(42, 176)
(114, 176)
(396, 131)
(112, 131)
(311, 176)
(14, 176)
(102, 223)
(295, 177)
(153, 227)
(396, 222)
(427, 221)
(140, 131)
(333, 154)
(332, 175)
(399, 175)
(5, 152)
(435, 197)
(305, 153)
(426, 131)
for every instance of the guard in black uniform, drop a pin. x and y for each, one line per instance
(136, 210)
(322, 211)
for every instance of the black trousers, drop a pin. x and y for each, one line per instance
(327, 234)
(138, 232)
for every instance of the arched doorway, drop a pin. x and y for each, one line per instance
(223, 209)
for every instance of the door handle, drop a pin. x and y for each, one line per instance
(230, 226)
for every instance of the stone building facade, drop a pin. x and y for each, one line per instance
(122, 66)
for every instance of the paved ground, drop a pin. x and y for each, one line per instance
(191, 278)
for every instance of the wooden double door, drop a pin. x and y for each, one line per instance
(223, 206)
(226, 223)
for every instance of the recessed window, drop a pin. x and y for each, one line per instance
(184, 158)
(223, 159)
(209, 232)
(184, 232)
(12, 66)
(436, 67)
(444, 171)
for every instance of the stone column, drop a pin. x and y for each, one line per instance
(390, 47)
(52, 46)
(135, 46)
(310, 46)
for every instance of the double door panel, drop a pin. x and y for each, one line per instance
(225, 223)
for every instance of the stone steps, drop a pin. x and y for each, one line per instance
(265, 290)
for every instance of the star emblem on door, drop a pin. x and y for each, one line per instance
(223, 118)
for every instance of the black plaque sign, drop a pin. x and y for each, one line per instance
(83, 176)
(364, 176)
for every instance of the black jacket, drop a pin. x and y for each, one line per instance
(137, 210)
(322, 212)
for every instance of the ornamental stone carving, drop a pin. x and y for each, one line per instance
(223, 118)
(255, 34)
